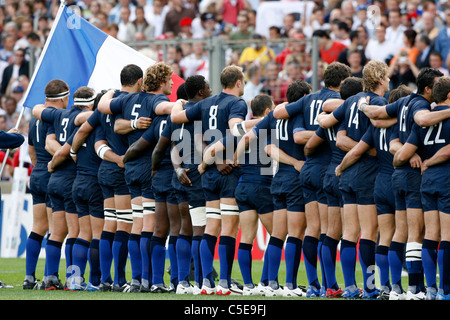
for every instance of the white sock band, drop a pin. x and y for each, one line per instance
(125, 215)
(138, 210)
(229, 210)
(110, 214)
(213, 213)
(198, 216)
(148, 208)
(413, 251)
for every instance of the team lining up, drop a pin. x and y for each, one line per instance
(142, 176)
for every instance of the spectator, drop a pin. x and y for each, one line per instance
(340, 32)
(185, 28)
(174, 53)
(156, 15)
(126, 28)
(20, 66)
(354, 44)
(141, 29)
(196, 63)
(423, 44)
(7, 50)
(114, 15)
(442, 41)
(427, 26)
(258, 53)
(113, 29)
(242, 32)
(401, 71)
(274, 85)
(288, 24)
(274, 40)
(253, 85)
(316, 21)
(379, 48)
(230, 10)
(174, 16)
(328, 48)
(9, 106)
(26, 27)
(409, 39)
(394, 33)
(354, 58)
(205, 26)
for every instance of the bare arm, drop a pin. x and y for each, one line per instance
(178, 115)
(81, 135)
(302, 137)
(282, 157)
(344, 142)
(104, 105)
(440, 156)
(352, 157)
(280, 111)
(426, 118)
(326, 120)
(51, 144)
(136, 149)
(109, 155)
(331, 104)
(209, 155)
(32, 154)
(82, 117)
(37, 111)
(404, 154)
(312, 144)
(59, 157)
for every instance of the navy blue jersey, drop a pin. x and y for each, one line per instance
(183, 136)
(308, 108)
(37, 133)
(281, 133)
(135, 105)
(354, 121)
(88, 161)
(405, 111)
(430, 140)
(117, 142)
(160, 127)
(329, 135)
(215, 112)
(63, 122)
(379, 138)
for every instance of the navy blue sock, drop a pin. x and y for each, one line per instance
(245, 262)
(207, 249)
(367, 261)
(69, 255)
(381, 259)
(227, 248)
(183, 249)
(265, 270)
(275, 249)
(429, 261)
(144, 246)
(135, 257)
(53, 257)
(198, 275)
(158, 259)
(94, 262)
(348, 262)
(33, 249)
(292, 255)
(329, 251)
(106, 256)
(120, 256)
(310, 254)
(444, 266)
(396, 258)
(319, 254)
(173, 260)
(80, 251)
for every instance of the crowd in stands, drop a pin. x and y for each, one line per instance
(408, 35)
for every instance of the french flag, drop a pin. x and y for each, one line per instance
(80, 54)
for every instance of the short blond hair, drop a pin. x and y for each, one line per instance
(372, 73)
(155, 75)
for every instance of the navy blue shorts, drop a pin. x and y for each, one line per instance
(252, 196)
(383, 194)
(178, 188)
(406, 186)
(287, 193)
(88, 197)
(138, 176)
(216, 186)
(162, 185)
(357, 184)
(38, 185)
(195, 194)
(112, 180)
(311, 179)
(435, 190)
(331, 190)
(60, 191)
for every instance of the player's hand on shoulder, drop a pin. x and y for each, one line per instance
(143, 123)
